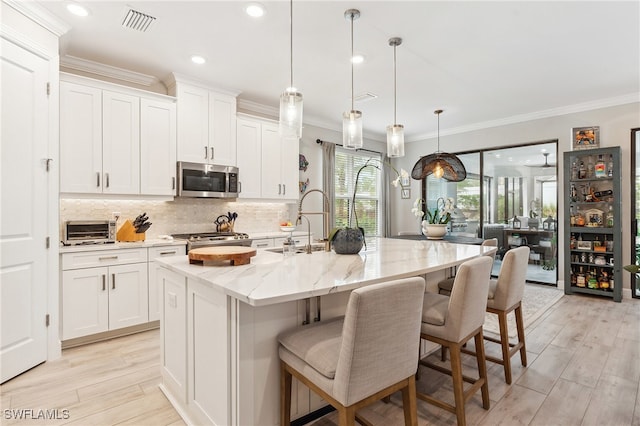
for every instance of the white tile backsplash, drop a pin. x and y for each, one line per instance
(182, 215)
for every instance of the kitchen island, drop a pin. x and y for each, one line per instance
(220, 323)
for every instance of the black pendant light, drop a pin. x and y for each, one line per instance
(440, 164)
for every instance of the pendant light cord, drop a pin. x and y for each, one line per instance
(395, 88)
(352, 16)
(291, 40)
(438, 112)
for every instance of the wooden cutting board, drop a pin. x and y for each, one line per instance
(238, 255)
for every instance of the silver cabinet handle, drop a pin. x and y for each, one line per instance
(113, 281)
(98, 179)
(239, 187)
(206, 151)
(212, 153)
(108, 257)
(104, 282)
(279, 189)
(106, 179)
(259, 245)
(163, 253)
(284, 189)
(173, 183)
(48, 163)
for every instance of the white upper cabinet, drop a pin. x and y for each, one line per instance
(268, 165)
(157, 147)
(115, 140)
(206, 122)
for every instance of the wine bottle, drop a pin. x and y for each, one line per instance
(600, 168)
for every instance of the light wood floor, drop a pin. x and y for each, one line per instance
(584, 369)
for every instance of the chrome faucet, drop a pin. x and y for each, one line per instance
(307, 248)
(325, 213)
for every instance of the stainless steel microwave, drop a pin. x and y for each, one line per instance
(89, 232)
(207, 180)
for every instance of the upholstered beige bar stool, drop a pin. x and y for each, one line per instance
(505, 295)
(361, 358)
(451, 322)
(444, 286)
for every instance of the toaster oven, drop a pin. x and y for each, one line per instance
(89, 232)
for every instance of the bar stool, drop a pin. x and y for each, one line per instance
(451, 322)
(444, 286)
(362, 357)
(505, 295)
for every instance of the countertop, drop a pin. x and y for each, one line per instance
(272, 278)
(159, 242)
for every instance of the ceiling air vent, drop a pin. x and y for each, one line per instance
(365, 97)
(137, 20)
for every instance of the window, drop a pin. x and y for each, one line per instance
(368, 197)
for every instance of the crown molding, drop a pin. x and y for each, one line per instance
(40, 15)
(174, 78)
(553, 112)
(258, 108)
(86, 65)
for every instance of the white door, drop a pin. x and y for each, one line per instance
(222, 129)
(271, 162)
(128, 295)
(157, 147)
(193, 124)
(290, 167)
(23, 222)
(120, 143)
(249, 158)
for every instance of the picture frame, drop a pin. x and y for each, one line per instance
(404, 181)
(583, 245)
(405, 193)
(585, 137)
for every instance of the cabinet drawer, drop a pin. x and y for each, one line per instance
(89, 259)
(262, 243)
(166, 251)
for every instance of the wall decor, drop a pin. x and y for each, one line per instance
(405, 193)
(303, 163)
(303, 186)
(585, 137)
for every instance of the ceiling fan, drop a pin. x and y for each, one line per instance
(546, 162)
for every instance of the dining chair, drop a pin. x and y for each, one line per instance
(362, 357)
(451, 322)
(444, 286)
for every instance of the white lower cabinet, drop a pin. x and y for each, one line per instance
(155, 291)
(103, 298)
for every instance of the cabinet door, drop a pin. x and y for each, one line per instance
(193, 123)
(222, 129)
(120, 143)
(157, 147)
(85, 302)
(155, 291)
(173, 331)
(289, 167)
(271, 162)
(249, 157)
(128, 295)
(80, 138)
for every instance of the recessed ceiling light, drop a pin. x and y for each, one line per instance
(197, 59)
(357, 58)
(77, 9)
(255, 10)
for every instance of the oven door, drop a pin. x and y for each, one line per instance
(205, 180)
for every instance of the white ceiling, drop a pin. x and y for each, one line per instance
(484, 63)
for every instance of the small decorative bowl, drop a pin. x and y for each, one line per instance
(287, 228)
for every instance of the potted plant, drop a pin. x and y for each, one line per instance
(349, 240)
(434, 223)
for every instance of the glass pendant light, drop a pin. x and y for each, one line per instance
(395, 132)
(352, 120)
(290, 125)
(440, 164)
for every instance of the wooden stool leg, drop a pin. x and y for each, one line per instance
(504, 343)
(346, 416)
(458, 390)
(285, 395)
(409, 403)
(443, 353)
(520, 327)
(482, 369)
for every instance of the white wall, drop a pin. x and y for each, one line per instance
(615, 130)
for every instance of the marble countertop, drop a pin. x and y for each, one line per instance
(272, 278)
(159, 242)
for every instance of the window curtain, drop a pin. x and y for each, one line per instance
(328, 178)
(385, 213)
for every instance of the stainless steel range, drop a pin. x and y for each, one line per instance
(211, 239)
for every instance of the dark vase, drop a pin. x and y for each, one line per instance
(348, 241)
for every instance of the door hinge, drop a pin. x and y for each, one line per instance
(48, 88)
(46, 320)
(47, 242)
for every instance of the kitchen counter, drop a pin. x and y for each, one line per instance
(220, 324)
(271, 278)
(122, 245)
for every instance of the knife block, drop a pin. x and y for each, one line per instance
(127, 233)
